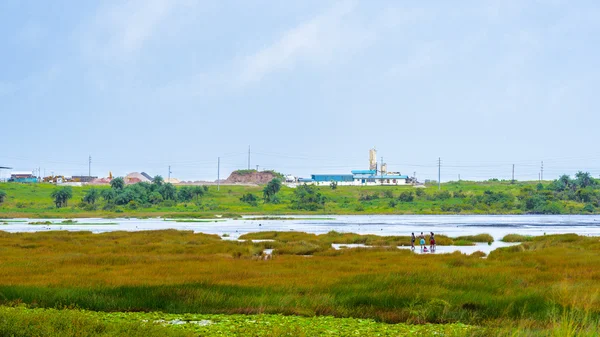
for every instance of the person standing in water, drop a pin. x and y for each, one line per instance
(431, 241)
(422, 240)
(412, 241)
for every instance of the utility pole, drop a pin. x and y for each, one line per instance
(513, 174)
(218, 173)
(439, 173)
(542, 173)
(90, 166)
(256, 168)
(249, 157)
(169, 175)
(459, 177)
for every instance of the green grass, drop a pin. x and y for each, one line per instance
(517, 238)
(34, 201)
(21, 321)
(477, 238)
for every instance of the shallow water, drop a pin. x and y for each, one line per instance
(450, 225)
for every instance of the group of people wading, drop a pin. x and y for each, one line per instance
(422, 242)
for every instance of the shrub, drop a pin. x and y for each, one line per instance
(441, 195)
(250, 199)
(407, 196)
(109, 207)
(308, 197)
(155, 198)
(368, 197)
(589, 208)
(2, 196)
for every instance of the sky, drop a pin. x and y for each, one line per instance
(310, 86)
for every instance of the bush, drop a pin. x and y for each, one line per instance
(589, 208)
(250, 199)
(308, 197)
(368, 197)
(155, 198)
(407, 196)
(441, 195)
(2, 196)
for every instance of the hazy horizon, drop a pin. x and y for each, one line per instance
(310, 86)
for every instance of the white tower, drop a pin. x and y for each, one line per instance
(372, 159)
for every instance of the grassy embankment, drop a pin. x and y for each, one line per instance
(34, 201)
(548, 283)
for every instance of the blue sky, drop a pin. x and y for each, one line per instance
(310, 85)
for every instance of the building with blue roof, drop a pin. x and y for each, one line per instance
(357, 178)
(370, 177)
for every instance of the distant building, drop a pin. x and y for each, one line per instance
(370, 177)
(357, 178)
(23, 177)
(83, 179)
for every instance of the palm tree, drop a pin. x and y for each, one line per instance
(158, 181)
(117, 183)
(61, 196)
(91, 196)
(584, 179)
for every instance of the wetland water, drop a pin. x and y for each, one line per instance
(384, 225)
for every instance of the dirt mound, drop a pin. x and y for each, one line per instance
(250, 177)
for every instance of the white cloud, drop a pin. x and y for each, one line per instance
(314, 41)
(119, 32)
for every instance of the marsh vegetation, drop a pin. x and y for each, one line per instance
(539, 285)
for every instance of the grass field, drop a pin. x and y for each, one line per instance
(34, 201)
(547, 284)
(22, 321)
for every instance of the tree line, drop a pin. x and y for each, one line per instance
(142, 194)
